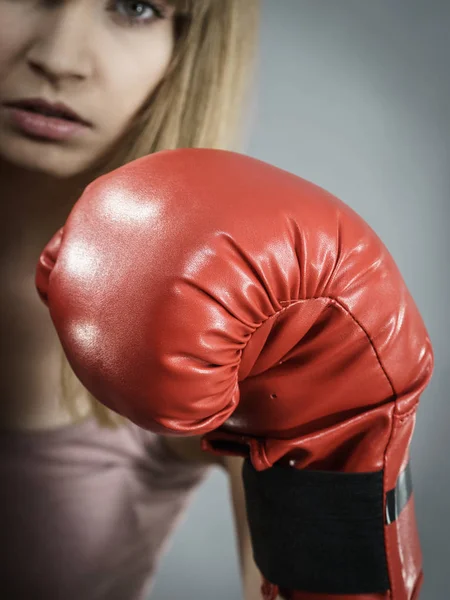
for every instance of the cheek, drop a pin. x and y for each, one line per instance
(133, 74)
(14, 33)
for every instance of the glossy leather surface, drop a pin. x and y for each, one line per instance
(204, 292)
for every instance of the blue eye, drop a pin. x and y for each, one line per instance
(136, 12)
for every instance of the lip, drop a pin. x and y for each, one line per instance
(56, 110)
(38, 118)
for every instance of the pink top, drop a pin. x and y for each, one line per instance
(85, 511)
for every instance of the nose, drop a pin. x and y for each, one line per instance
(60, 51)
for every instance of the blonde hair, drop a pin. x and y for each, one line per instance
(199, 103)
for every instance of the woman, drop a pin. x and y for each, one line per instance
(87, 499)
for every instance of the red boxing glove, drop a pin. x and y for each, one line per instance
(201, 291)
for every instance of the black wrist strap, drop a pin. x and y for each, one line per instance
(320, 531)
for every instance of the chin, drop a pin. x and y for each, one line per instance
(46, 158)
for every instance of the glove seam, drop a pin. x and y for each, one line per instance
(340, 304)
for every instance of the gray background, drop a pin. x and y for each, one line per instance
(354, 95)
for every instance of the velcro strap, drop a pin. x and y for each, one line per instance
(321, 531)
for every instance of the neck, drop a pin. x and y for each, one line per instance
(33, 207)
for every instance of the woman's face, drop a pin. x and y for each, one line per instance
(73, 74)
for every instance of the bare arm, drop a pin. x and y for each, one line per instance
(251, 577)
